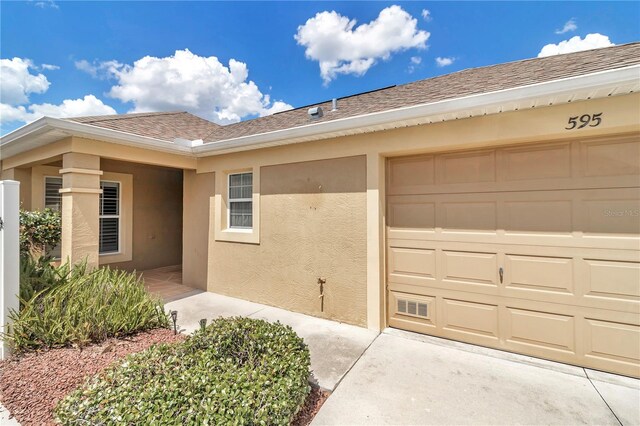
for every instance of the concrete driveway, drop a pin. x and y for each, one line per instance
(406, 378)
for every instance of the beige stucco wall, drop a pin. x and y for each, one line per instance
(198, 196)
(157, 214)
(22, 175)
(313, 224)
(533, 125)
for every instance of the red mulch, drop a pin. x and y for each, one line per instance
(31, 385)
(312, 405)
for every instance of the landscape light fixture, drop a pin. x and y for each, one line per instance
(203, 324)
(174, 318)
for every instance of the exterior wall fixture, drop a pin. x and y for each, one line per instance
(321, 283)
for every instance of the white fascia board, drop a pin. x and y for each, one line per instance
(589, 82)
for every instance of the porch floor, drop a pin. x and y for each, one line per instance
(166, 282)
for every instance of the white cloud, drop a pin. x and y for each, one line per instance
(426, 15)
(17, 83)
(342, 48)
(89, 105)
(414, 61)
(576, 44)
(46, 3)
(186, 81)
(570, 25)
(96, 69)
(443, 62)
(86, 66)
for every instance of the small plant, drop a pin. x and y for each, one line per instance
(84, 307)
(39, 231)
(236, 371)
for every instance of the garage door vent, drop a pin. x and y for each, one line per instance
(410, 307)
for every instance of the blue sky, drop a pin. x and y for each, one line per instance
(229, 61)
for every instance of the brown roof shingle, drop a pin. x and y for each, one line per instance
(160, 125)
(171, 125)
(450, 86)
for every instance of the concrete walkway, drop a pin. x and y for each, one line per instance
(406, 378)
(334, 347)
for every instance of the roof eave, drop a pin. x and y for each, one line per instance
(590, 86)
(19, 140)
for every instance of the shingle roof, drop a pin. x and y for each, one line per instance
(159, 125)
(450, 86)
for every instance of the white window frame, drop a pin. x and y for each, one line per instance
(239, 200)
(110, 216)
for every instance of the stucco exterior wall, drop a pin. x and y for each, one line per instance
(198, 196)
(24, 177)
(157, 214)
(313, 225)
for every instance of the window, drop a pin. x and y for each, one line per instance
(53, 201)
(52, 196)
(240, 200)
(109, 217)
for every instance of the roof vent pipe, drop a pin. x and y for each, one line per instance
(334, 104)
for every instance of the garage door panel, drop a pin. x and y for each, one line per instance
(538, 216)
(547, 274)
(466, 167)
(411, 174)
(472, 215)
(522, 163)
(412, 266)
(469, 267)
(596, 163)
(618, 214)
(544, 331)
(412, 213)
(532, 248)
(611, 157)
(612, 279)
(612, 342)
(470, 320)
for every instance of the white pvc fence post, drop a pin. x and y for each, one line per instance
(9, 255)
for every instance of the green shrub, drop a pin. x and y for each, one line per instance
(236, 371)
(39, 231)
(39, 274)
(85, 308)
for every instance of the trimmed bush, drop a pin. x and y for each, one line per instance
(237, 371)
(83, 308)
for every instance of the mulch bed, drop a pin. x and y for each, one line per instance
(312, 405)
(31, 385)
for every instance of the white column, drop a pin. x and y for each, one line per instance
(9, 255)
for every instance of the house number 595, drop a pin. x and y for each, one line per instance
(580, 121)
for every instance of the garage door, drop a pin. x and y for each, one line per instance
(533, 249)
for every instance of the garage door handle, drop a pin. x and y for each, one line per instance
(501, 272)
